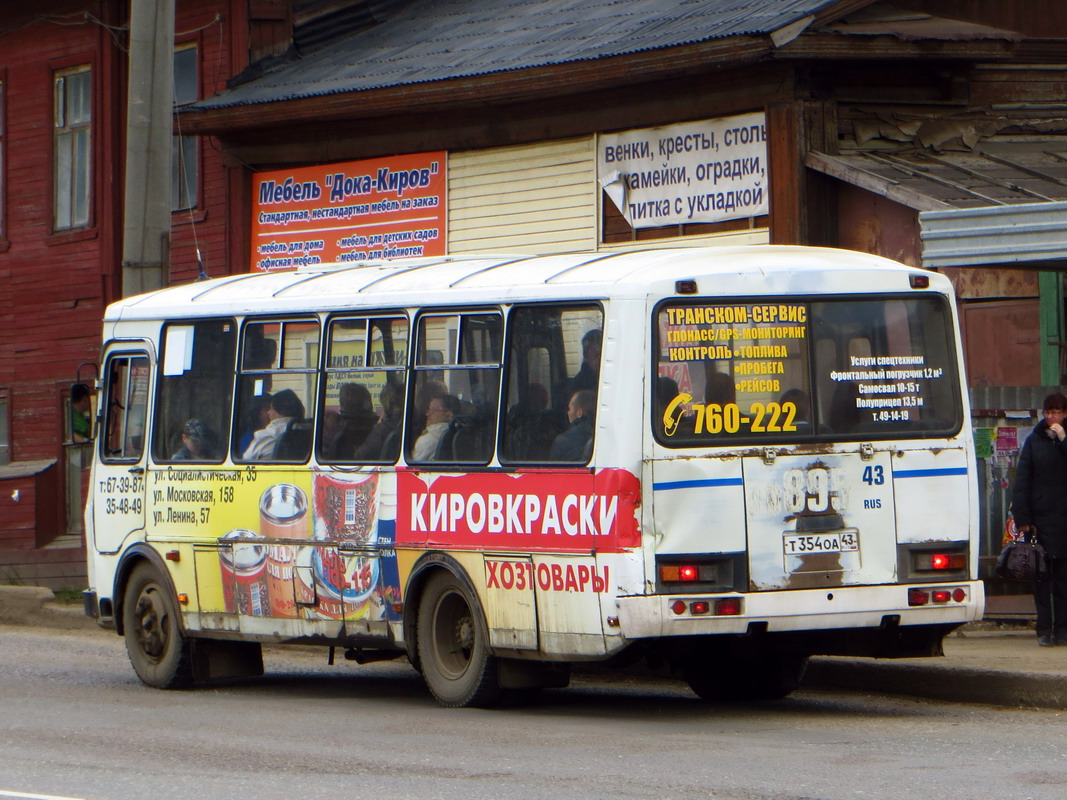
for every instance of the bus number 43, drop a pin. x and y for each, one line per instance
(873, 476)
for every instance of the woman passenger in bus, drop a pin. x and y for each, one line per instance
(285, 406)
(256, 419)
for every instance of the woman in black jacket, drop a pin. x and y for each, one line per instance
(1039, 499)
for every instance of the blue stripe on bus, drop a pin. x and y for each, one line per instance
(697, 484)
(929, 473)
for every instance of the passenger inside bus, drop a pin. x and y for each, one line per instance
(256, 419)
(576, 443)
(356, 420)
(588, 375)
(383, 441)
(285, 407)
(439, 415)
(199, 443)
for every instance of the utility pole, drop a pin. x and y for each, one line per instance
(149, 124)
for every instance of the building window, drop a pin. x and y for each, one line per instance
(3, 154)
(5, 427)
(72, 118)
(185, 161)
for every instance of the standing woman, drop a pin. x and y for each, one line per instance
(1039, 499)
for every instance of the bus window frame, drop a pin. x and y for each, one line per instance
(500, 310)
(405, 369)
(953, 367)
(276, 367)
(161, 356)
(587, 304)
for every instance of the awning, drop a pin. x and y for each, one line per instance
(1002, 204)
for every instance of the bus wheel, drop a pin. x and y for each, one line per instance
(453, 645)
(158, 651)
(771, 677)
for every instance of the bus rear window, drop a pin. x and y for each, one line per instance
(842, 368)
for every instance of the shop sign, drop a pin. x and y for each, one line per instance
(354, 211)
(706, 171)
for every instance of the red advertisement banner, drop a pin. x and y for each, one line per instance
(358, 210)
(526, 512)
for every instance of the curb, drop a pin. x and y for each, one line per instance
(952, 684)
(36, 606)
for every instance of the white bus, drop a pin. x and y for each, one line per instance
(722, 460)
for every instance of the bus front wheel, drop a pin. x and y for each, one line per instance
(453, 645)
(159, 653)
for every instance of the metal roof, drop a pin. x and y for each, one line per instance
(434, 40)
(738, 271)
(993, 174)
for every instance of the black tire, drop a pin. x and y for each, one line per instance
(159, 652)
(770, 678)
(453, 645)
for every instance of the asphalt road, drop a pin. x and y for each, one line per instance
(75, 723)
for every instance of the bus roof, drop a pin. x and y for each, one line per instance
(446, 280)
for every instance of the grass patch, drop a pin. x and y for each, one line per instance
(70, 597)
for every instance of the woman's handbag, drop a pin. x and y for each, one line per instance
(1022, 559)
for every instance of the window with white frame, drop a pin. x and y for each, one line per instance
(72, 117)
(185, 159)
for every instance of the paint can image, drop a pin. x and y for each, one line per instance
(283, 513)
(243, 563)
(346, 506)
(280, 588)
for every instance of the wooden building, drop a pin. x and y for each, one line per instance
(63, 89)
(906, 129)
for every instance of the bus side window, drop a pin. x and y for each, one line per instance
(276, 391)
(194, 397)
(457, 388)
(126, 410)
(553, 378)
(364, 387)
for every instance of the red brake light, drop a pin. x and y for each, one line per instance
(699, 607)
(918, 597)
(942, 561)
(728, 607)
(942, 595)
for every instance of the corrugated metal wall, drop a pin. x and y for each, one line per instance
(541, 198)
(536, 198)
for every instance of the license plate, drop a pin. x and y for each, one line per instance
(837, 542)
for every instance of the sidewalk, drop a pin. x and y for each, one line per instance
(996, 664)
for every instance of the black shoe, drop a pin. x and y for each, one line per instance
(1044, 641)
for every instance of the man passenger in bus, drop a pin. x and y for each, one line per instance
(285, 406)
(576, 443)
(199, 443)
(357, 418)
(439, 416)
(1039, 501)
(383, 441)
(588, 375)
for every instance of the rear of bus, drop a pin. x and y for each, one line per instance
(812, 476)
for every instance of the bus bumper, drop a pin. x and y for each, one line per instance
(841, 608)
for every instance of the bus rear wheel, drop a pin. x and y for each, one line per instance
(159, 652)
(453, 645)
(770, 677)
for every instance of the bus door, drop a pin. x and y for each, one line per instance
(820, 520)
(118, 482)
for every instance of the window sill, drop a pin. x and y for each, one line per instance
(75, 235)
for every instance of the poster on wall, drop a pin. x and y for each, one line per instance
(707, 171)
(354, 211)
